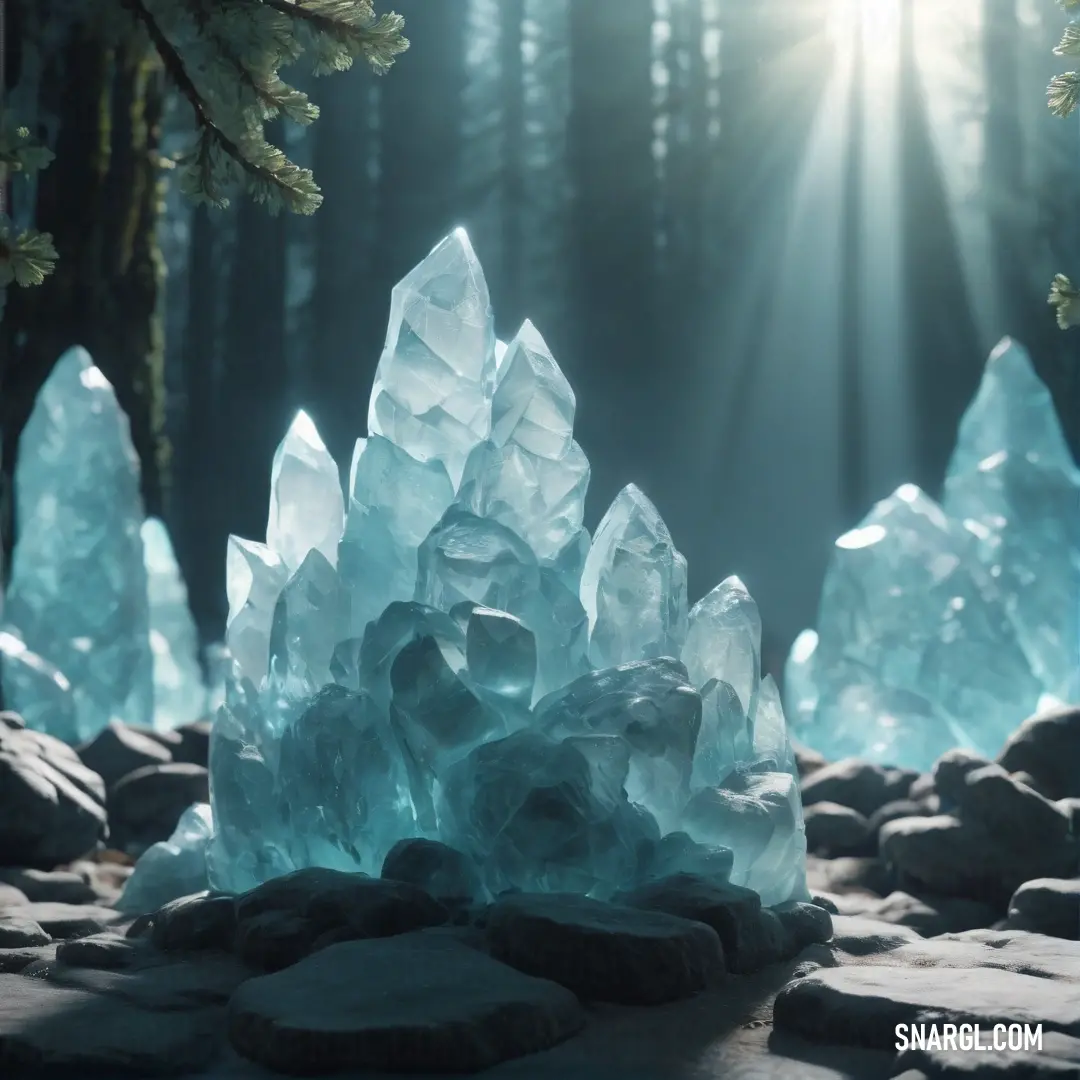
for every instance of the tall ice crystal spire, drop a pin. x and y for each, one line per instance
(460, 661)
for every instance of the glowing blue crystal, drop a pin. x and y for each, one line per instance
(172, 868)
(633, 585)
(948, 625)
(395, 501)
(475, 669)
(78, 592)
(307, 509)
(433, 386)
(179, 691)
(254, 578)
(1013, 482)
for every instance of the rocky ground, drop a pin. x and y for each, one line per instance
(950, 897)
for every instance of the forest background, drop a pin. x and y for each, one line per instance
(770, 242)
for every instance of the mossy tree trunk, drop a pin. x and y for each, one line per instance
(100, 200)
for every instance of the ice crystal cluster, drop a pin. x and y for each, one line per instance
(96, 622)
(945, 625)
(442, 651)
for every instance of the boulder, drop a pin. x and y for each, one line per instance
(859, 784)
(1047, 906)
(833, 830)
(118, 749)
(52, 808)
(1047, 747)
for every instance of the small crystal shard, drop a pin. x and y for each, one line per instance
(172, 868)
(78, 595)
(254, 578)
(533, 405)
(433, 387)
(307, 625)
(633, 585)
(179, 693)
(395, 501)
(306, 503)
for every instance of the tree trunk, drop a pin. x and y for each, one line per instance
(99, 199)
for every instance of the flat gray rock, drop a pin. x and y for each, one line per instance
(930, 916)
(49, 886)
(602, 951)
(52, 808)
(155, 983)
(333, 899)
(105, 951)
(862, 1005)
(21, 932)
(856, 935)
(411, 1003)
(15, 960)
(1008, 950)
(71, 920)
(444, 872)
(1047, 906)
(199, 921)
(43, 1026)
(735, 913)
(145, 805)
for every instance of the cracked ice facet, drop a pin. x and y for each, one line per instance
(78, 592)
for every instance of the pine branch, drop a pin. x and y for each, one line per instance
(1063, 93)
(347, 29)
(270, 176)
(1064, 298)
(26, 258)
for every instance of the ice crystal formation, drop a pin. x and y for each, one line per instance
(97, 625)
(945, 625)
(441, 651)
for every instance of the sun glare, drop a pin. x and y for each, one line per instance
(872, 24)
